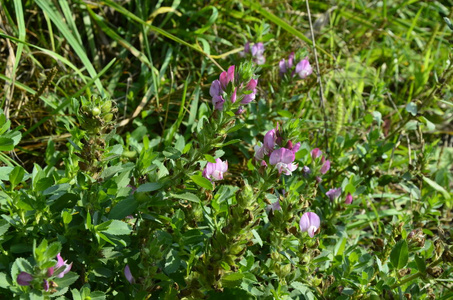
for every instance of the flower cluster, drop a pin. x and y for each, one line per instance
(59, 270)
(228, 86)
(303, 67)
(334, 193)
(256, 51)
(282, 157)
(323, 162)
(214, 171)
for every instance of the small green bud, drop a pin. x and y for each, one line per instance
(106, 107)
(95, 111)
(108, 117)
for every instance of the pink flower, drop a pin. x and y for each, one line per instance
(282, 66)
(214, 171)
(259, 152)
(128, 274)
(283, 160)
(315, 153)
(274, 206)
(226, 77)
(251, 86)
(61, 268)
(348, 199)
(325, 167)
(292, 147)
(303, 68)
(24, 278)
(310, 223)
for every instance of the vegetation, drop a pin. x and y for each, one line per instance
(229, 149)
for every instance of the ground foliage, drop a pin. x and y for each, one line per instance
(109, 135)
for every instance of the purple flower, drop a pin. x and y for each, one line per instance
(61, 268)
(240, 111)
(45, 285)
(348, 199)
(128, 274)
(259, 152)
(24, 278)
(282, 66)
(257, 52)
(310, 223)
(315, 153)
(233, 97)
(333, 193)
(214, 171)
(269, 140)
(274, 206)
(303, 68)
(306, 171)
(325, 167)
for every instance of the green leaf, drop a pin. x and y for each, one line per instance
(124, 208)
(421, 263)
(437, 187)
(67, 280)
(203, 182)
(257, 237)
(399, 255)
(187, 196)
(411, 108)
(117, 227)
(16, 176)
(227, 143)
(233, 277)
(52, 250)
(149, 187)
(4, 226)
(210, 158)
(6, 144)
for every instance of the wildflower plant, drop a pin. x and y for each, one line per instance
(160, 160)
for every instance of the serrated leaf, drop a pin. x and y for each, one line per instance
(67, 280)
(117, 227)
(4, 226)
(399, 255)
(52, 250)
(203, 182)
(5, 281)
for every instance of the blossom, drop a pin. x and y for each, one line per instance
(303, 68)
(315, 153)
(274, 206)
(226, 77)
(325, 167)
(333, 193)
(306, 171)
(61, 268)
(284, 65)
(348, 199)
(269, 140)
(45, 285)
(292, 147)
(283, 159)
(256, 51)
(251, 86)
(214, 171)
(310, 223)
(128, 274)
(24, 278)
